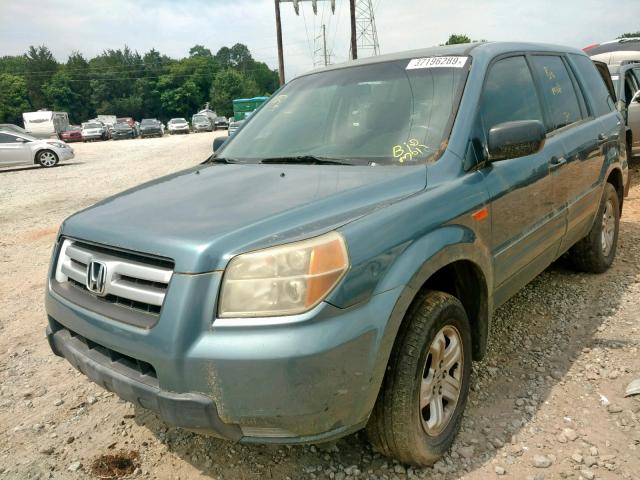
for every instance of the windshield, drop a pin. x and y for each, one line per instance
(177, 120)
(147, 121)
(122, 126)
(383, 113)
(92, 125)
(199, 118)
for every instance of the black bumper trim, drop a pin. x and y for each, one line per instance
(192, 411)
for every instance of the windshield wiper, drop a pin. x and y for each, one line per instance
(307, 160)
(214, 159)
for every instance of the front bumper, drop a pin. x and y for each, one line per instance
(65, 154)
(309, 378)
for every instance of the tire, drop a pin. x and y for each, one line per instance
(595, 252)
(47, 158)
(400, 425)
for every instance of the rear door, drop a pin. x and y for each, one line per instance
(527, 224)
(576, 124)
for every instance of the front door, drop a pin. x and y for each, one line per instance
(527, 222)
(13, 151)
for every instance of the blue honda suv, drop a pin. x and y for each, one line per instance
(335, 264)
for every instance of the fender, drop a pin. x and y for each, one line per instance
(420, 261)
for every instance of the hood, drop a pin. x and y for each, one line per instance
(203, 216)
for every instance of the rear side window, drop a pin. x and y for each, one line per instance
(557, 91)
(598, 93)
(509, 94)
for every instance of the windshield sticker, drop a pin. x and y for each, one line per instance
(437, 62)
(614, 77)
(275, 103)
(408, 150)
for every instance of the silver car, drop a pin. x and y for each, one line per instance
(23, 149)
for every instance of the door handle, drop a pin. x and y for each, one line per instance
(557, 162)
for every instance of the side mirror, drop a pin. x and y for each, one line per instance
(21, 140)
(636, 97)
(218, 142)
(515, 139)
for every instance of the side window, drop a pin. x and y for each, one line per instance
(509, 94)
(557, 91)
(593, 84)
(6, 138)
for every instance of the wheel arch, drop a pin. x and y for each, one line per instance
(616, 179)
(39, 150)
(463, 270)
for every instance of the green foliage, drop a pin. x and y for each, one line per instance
(123, 82)
(455, 39)
(13, 98)
(228, 85)
(630, 35)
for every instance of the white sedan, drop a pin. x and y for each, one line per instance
(23, 149)
(178, 125)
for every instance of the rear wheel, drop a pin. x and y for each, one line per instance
(47, 158)
(419, 408)
(595, 252)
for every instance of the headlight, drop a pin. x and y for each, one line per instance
(283, 280)
(58, 144)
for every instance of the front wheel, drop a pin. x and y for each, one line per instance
(47, 158)
(419, 408)
(595, 252)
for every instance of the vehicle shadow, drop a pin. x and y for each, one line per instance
(36, 167)
(526, 360)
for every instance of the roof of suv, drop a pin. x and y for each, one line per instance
(491, 49)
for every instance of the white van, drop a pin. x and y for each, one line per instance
(45, 123)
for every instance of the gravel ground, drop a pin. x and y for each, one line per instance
(546, 403)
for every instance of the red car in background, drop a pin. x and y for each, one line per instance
(72, 134)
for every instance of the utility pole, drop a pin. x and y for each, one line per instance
(324, 43)
(280, 52)
(354, 44)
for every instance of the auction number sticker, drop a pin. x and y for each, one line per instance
(437, 62)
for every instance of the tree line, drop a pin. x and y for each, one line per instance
(125, 83)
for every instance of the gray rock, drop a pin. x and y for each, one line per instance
(570, 434)
(46, 450)
(541, 461)
(466, 452)
(587, 474)
(74, 467)
(576, 457)
(500, 470)
(614, 408)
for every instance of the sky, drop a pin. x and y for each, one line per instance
(174, 26)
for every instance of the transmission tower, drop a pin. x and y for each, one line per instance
(366, 33)
(320, 54)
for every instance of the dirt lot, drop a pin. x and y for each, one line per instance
(547, 402)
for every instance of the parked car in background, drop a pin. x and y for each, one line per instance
(201, 123)
(622, 57)
(337, 267)
(128, 120)
(94, 130)
(24, 149)
(234, 126)
(151, 127)
(45, 123)
(123, 130)
(72, 134)
(220, 123)
(178, 125)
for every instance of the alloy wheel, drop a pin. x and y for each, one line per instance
(608, 228)
(48, 159)
(441, 380)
